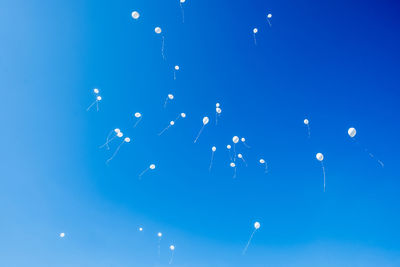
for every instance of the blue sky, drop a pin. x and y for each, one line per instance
(334, 62)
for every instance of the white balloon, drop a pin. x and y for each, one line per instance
(182, 1)
(352, 132)
(257, 225)
(127, 139)
(140, 229)
(320, 156)
(62, 235)
(243, 139)
(262, 161)
(217, 105)
(159, 234)
(213, 148)
(116, 130)
(96, 91)
(176, 67)
(120, 134)
(255, 30)
(157, 30)
(172, 247)
(98, 98)
(228, 146)
(135, 15)
(232, 164)
(218, 110)
(152, 166)
(306, 122)
(205, 120)
(138, 115)
(269, 16)
(183, 115)
(171, 96)
(240, 156)
(235, 139)
(171, 123)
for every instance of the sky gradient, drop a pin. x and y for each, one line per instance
(333, 62)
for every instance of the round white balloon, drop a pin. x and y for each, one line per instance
(352, 132)
(157, 30)
(135, 15)
(257, 225)
(320, 156)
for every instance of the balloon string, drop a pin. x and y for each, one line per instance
(323, 171)
(309, 132)
(97, 105)
(91, 105)
(108, 141)
(165, 103)
(248, 243)
(244, 161)
(234, 173)
(174, 76)
(269, 23)
(143, 172)
(166, 128)
(199, 134)
(159, 241)
(162, 48)
(183, 13)
(211, 162)
(216, 118)
(172, 257)
(369, 153)
(255, 41)
(246, 145)
(115, 152)
(134, 126)
(266, 167)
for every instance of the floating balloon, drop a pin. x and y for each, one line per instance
(159, 241)
(218, 111)
(172, 248)
(263, 162)
(269, 16)
(140, 229)
(307, 123)
(352, 133)
(213, 149)
(240, 156)
(320, 158)
(158, 30)
(244, 142)
(205, 121)
(256, 227)
(176, 68)
(138, 117)
(117, 133)
(233, 165)
(172, 123)
(62, 235)
(169, 97)
(96, 101)
(255, 31)
(229, 151)
(135, 15)
(235, 140)
(151, 167)
(126, 140)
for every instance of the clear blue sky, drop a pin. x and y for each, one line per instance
(335, 62)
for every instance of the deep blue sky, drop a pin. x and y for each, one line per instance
(335, 62)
